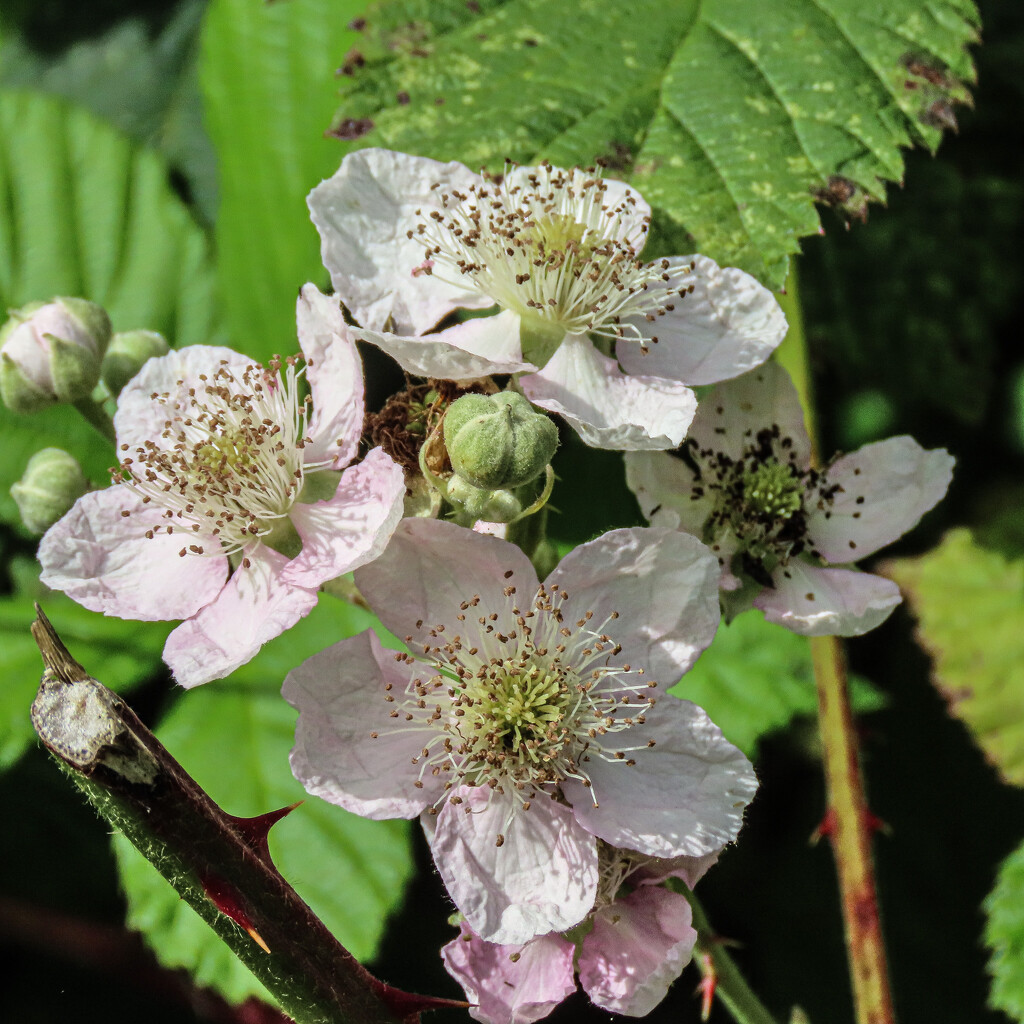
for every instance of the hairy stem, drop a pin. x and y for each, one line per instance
(847, 821)
(97, 417)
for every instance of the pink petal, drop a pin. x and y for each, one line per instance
(662, 584)
(604, 406)
(104, 561)
(886, 488)
(475, 348)
(255, 606)
(543, 878)
(335, 374)
(638, 947)
(516, 984)
(340, 696)
(363, 214)
(684, 796)
(139, 418)
(432, 568)
(728, 325)
(353, 527)
(827, 602)
(690, 869)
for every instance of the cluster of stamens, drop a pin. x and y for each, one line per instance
(228, 463)
(518, 700)
(548, 245)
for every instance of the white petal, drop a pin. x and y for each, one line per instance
(475, 348)
(827, 602)
(432, 568)
(886, 488)
(604, 406)
(254, 607)
(105, 562)
(363, 214)
(663, 485)
(684, 796)
(340, 696)
(543, 878)
(662, 584)
(351, 528)
(335, 374)
(728, 325)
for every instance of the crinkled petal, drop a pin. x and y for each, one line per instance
(827, 602)
(139, 418)
(727, 325)
(663, 485)
(104, 560)
(255, 606)
(639, 945)
(432, 568)
(542, 878)
(335, 374)
(886, 488)
(364, 214)
(516, 984)
(353, 527)
(475, 348)
(662, 588)
(684, 796)
(607, 408)
(348, 750)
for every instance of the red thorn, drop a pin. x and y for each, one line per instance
(875, 824)
(707, 985)
(826, 828)
(255, 830)
(407, 1006)
(225, 897)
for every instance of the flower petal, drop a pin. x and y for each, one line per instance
(639, 945)
(604, 406)
(103, 560)
(255, 606)
(663, 485)
(340, 696)
(827, 602)
(684, 796)
(353, 527)
(335, 374)
(690, 869)
(475, 348)
(432, 568)
(516, 984)
(543, 878)
(364, 214)
(726, 326)
(893, 483)
(662, 588)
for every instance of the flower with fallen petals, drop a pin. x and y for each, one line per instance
(786, 533)
(527, 722)
(232, 503)
(596, 334)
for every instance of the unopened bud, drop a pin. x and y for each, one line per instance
(52, 482)
(495, 506)
(50, 352)
(129, 351)
(498, 441)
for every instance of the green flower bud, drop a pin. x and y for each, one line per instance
(53, 481)
(498, 441)
(494, 506)
(128, 353)
(50, 352)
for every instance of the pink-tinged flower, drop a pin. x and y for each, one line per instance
(785, 533)
(528, 717)
(598, 336)
(233, 503)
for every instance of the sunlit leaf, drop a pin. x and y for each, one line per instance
(1004, 935)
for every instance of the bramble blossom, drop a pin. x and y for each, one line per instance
(785, 533)
(527, 721)
(232, 503)
(597, 335)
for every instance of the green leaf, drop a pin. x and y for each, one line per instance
(969, 604)
(731, 118)
(1004, 935)
(233, 738)
(267, 78)
(756, 677)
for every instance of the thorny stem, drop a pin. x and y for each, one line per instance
(847, 822)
